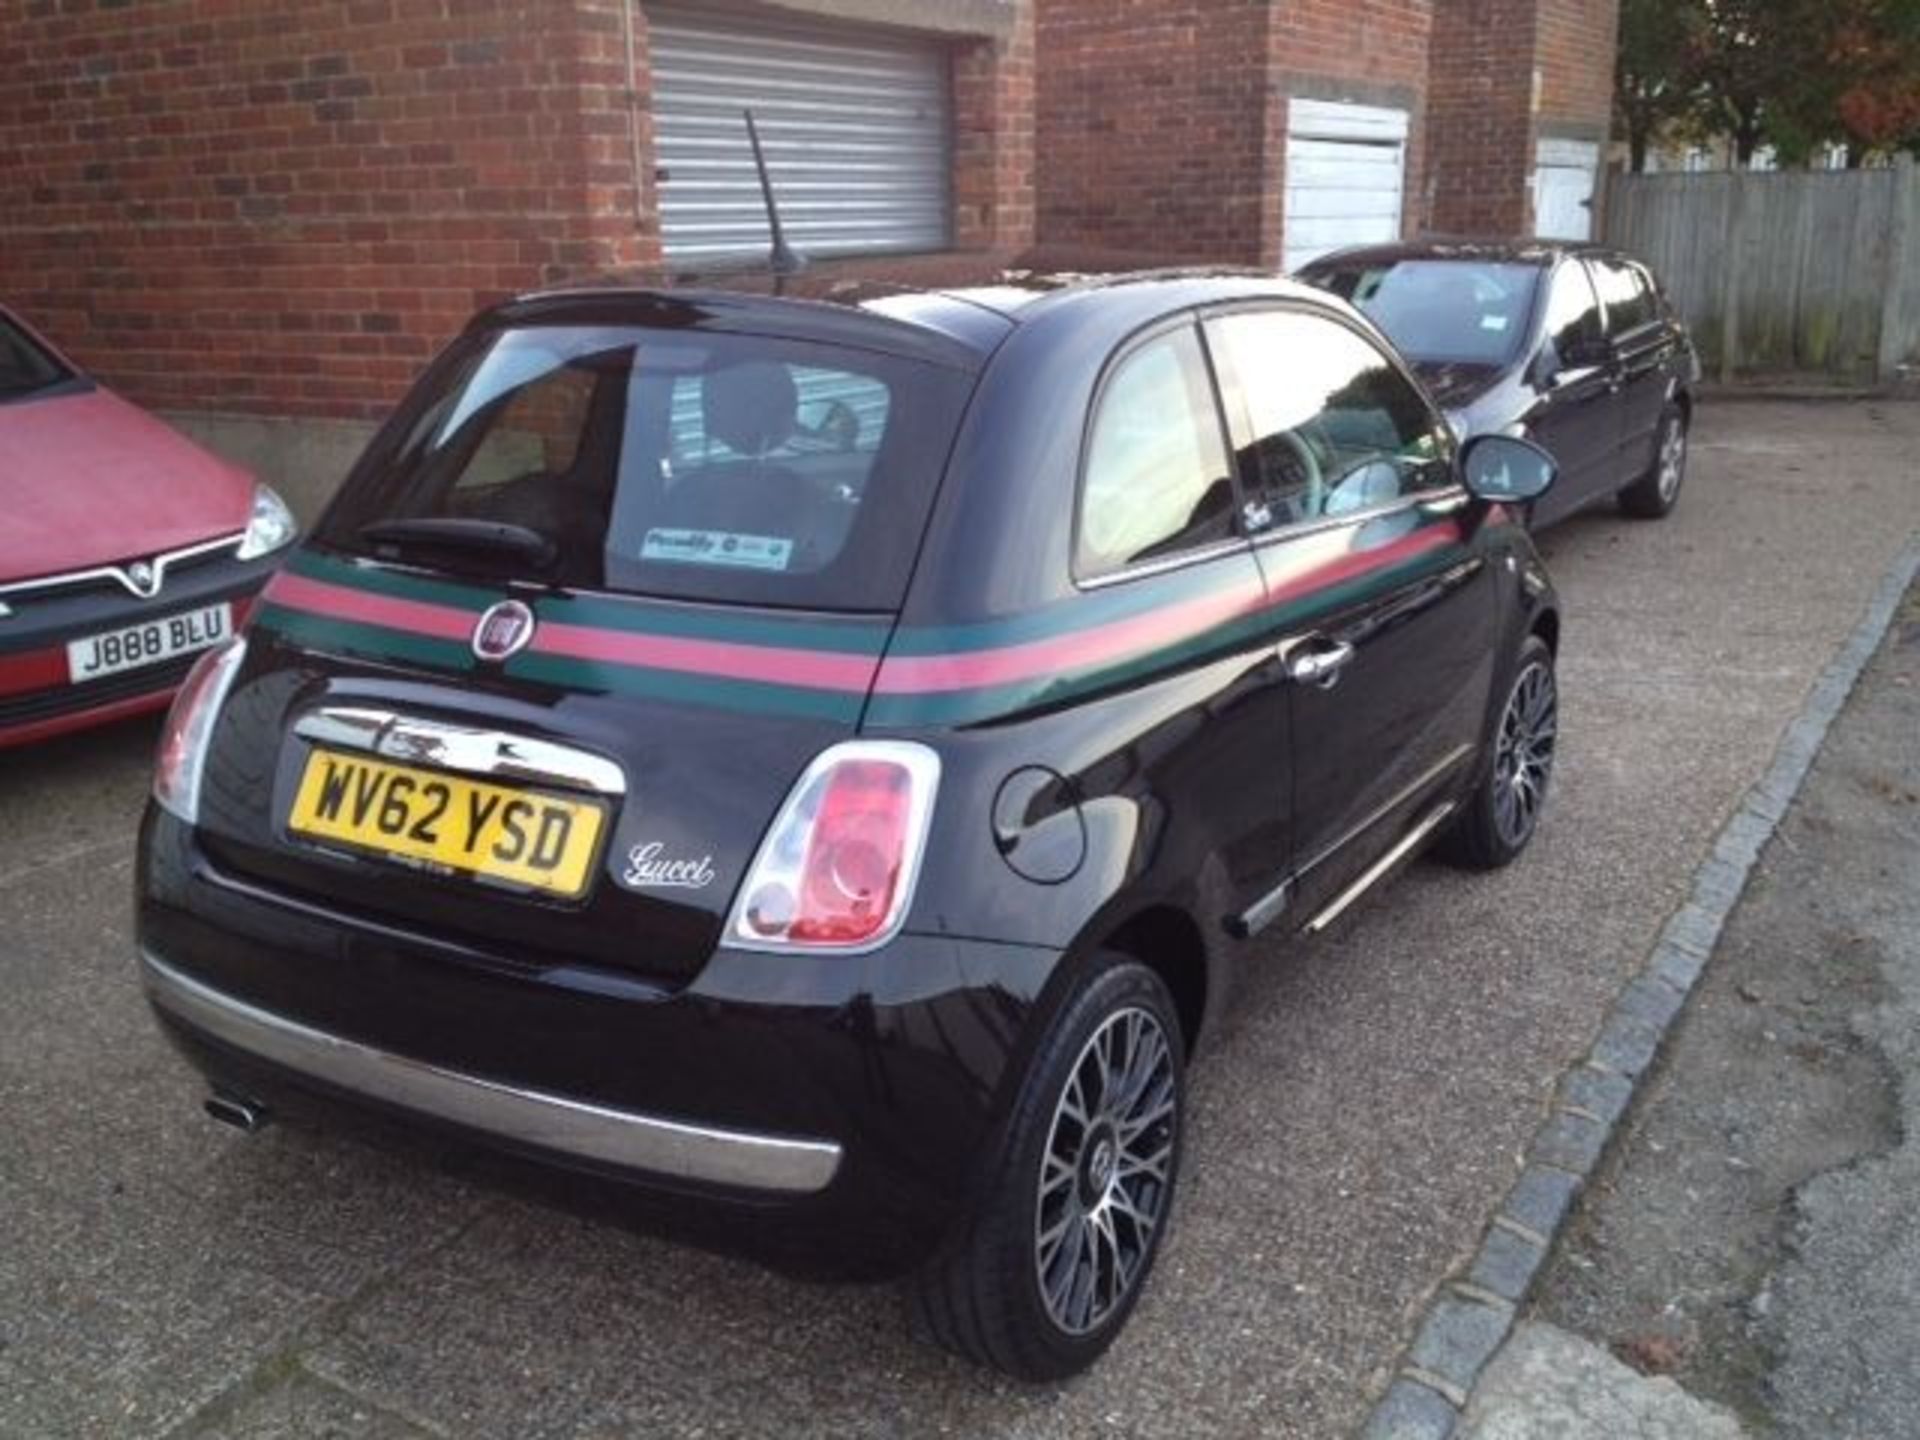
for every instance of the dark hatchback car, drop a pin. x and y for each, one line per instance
(820, 759)
(1573, 346)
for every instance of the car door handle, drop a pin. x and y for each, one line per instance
(1319, 662)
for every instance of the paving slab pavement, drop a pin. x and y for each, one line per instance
(1756, 1233)
(1350, 1135)
(1548, 1385)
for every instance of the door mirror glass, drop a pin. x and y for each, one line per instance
(1506, 470)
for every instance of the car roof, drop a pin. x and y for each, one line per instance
(959, 308)
(1515, 250)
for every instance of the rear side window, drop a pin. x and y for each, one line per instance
(1330, 426)
(1156, 480)
(672, 462)
(1627, 292)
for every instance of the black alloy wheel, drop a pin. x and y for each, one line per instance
(1500, 815)
(1063, 1234)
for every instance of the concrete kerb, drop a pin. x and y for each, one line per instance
(1468, 1320)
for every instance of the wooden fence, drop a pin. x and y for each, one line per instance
(1813, 273)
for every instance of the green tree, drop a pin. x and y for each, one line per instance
(1744, 59)
(1654, 81)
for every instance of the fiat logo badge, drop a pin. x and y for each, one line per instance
(503, 631)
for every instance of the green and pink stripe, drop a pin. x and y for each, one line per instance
(836, 669)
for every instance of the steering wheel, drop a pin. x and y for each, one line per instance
(839, 427)
(1310, 469)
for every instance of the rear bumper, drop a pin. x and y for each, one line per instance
(506, 1113)
(829, 1115)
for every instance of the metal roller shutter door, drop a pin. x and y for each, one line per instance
(856, 125)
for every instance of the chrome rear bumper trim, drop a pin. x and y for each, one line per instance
(491, 753)
(529, 1117)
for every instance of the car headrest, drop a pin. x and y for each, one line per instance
(752, 406)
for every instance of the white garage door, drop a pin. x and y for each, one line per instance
(1346, 176)
(856, 124)
(1563, 179)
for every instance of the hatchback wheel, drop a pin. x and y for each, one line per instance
(1503, 810)
(1064, 1232)
(1654, 494)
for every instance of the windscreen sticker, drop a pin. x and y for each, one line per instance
(717, 547)
(1493, 322)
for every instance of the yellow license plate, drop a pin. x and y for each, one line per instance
(528, 838)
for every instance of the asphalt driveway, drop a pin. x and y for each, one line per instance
(160, 1275)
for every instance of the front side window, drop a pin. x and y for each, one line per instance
(1627, 293)
(1452, 312)
(1331, 426)
(669, 462)
(1573, 317)
(1156, 479)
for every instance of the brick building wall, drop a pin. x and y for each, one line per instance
(1480, 100)
(1574, 43)
(994, 160)
(1504, 75)
(286, 208)
(283, 210)
(1153, 123)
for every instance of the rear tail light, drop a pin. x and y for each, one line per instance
(183, 742)
(837, 870)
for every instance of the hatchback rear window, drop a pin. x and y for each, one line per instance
(671, 462)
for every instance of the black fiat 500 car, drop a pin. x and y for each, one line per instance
(817, 759)
(1573, 346)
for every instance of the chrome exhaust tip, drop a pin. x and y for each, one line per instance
(244, 1115)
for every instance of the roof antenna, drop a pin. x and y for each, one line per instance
(783, 258)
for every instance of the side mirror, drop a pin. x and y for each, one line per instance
(1506, 470)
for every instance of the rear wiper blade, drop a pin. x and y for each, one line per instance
(444, 532)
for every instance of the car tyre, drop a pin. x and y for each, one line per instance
(1047, 1266)
(1503, 810)
(1653, 495)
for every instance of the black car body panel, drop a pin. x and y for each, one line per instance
(1123, 753)
(1596, 411)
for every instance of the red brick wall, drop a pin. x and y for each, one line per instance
(993, 142)
(1576, 41)
(284, 208)
(1153, 126)
(1480, 116)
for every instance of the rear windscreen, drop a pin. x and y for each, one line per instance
(674, 462)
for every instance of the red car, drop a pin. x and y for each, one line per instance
(125, 549)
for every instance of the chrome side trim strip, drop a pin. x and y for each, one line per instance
(1372, 875)
(1262, 913)
(529, 1117)
(119, 572)
(1400, 797)
(492, 753)
(1443, 500)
